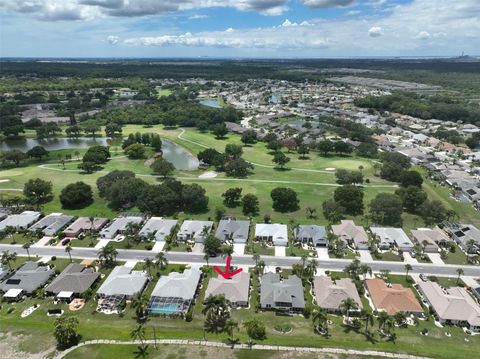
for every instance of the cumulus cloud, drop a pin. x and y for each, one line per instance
(327, 3)
(423, 35)
(113, 40)
(375, 31)
(198, 17)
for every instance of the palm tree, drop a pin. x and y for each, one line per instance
(68, 249)
(383, 317)
(471, 245)
(400, 318)
(138, 333)
(319, 316)
(148, 264)
(230, 327)
(140, 303)
(206, 257)
(7, 258)
(304, 259)
(364, 269)
(228, 251)
(369, 319)
(347, 305)
(424, 245)
(460, 273)
(256, 258)
(92, 224)
(408, 268)
(217, 310)
(108, 255)
(161, 260)
(26, 246)
(260, 267)
(311, 268)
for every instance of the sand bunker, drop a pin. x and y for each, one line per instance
(330, 169)
(209, 174)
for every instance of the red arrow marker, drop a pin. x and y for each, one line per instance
(227, 274)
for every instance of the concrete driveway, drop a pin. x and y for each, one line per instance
(198, 248)
(239, 248)
(365, 255)
(435, 258)
(280, 251)
(407, 258)
(158, 246)
(102, 243)
(322, 253)
(42, 242)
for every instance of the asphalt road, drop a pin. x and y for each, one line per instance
(243, 260)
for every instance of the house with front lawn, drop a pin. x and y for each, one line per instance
(233, 231)
(329, 294)
(27, 279)
(72, 282)
(452, 305)
(235, 289)
(84, 224)
(430, 239)
(392, 298)
(195, 231)
(276, 234)
(313, 235)
(285, 295)
(388, 238)
(467, 236)
(52, 224)
(173, 294)
(119, 225)
(123, 282)
(20, 221)
(348, 232)
(159, 227)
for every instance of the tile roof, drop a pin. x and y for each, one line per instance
(392, 299)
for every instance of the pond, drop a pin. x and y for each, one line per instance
(211, 103)
(172, 152)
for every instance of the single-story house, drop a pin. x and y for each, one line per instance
(160, 227)
(83, 224)
(275, 233)
(232, 230)
(330, 294)
(28, 278)
(51, 224)
(235, 289)
(4, 272)
(388, 237)
(194, 230)
(350, 233)
(75, 278)
(119, 225)
(430, 239)
(123, 282)
(464, 235)
(283, 295)
(392, 298)
(20, 221)
(312, 234)
(174, 293)
(453, 305)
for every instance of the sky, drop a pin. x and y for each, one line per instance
(238, 28)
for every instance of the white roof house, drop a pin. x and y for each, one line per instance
(277, 233)
(22, 220)
(123, 281)
(194, 230)
(453, 305)
(159, 226)
(118, 226)
(388, 237)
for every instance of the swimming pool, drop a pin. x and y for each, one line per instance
(164, 309)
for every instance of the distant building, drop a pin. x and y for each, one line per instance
(119, 225)
(352, 234)
(195, 231)
(273, 233)
(20, 221)
(389, 237)
(52, 224)
(467, 236)
(159, 227)
(430, 239)
(83, 224)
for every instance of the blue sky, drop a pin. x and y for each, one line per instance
(238, 28)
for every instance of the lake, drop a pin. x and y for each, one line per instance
(172, 152)
(211, 103)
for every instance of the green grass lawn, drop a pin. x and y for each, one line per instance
(388, 256)
(19, 238)
(345, 254)
(132, 245)
(458, 257)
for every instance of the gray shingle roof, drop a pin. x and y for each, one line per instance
(161, 228)
(233, 229)
(22, 220)
(119, 225)
(29, 277)
(52, 223)
(75, 278)
(313, 232)
(273, 290)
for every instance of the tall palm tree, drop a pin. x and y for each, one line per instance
(369, 319)
(7, 258)
(319, 317)
(347, 305)
(108, 255)
(148, 264)
(400, 318)
(383, 317)
(140, 303)
(408, 268)
(26, 246)
(304, 259)
(92, 224)
(138, 333)
(230, 327)
(460, 273)
(206, 257)
(260, 267)
(161, 260)
(228, 251)
(312, 268)
(68, 249)
(364, 269)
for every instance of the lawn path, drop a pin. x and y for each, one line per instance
(246, 346)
